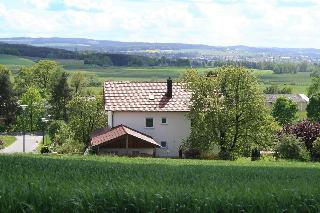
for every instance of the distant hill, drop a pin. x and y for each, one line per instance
(109, 46)
(174, 50)
(100, 59)
(104, 45)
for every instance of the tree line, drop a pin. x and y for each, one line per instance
(93, 58)
(51, 94)
(276, 67)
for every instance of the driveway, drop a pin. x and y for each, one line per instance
(32, 142)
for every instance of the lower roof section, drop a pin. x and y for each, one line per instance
(117, 135)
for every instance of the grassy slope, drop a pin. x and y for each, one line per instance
(8, 140)
(76, 184)
(14, 60)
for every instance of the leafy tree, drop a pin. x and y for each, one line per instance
(8, 106)
(35, 109)
(54, 127)
(313, 108)
(23, 80)
(45, 72)
(284, 110)
(86, 114)
(314, 88)
(60, 97)
(8, 102)
(78, 81)
(42, 75)
(228, 111)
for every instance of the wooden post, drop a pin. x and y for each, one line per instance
(127, 143)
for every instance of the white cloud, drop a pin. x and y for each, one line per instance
(39, 4)
(249, 22)
(89, 4)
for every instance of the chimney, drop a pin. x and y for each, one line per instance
(169, 88)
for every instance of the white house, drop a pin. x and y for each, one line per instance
(144, 118)
(300, 99)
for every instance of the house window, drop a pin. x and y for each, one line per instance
(149, 122)
(163, 120)
(163, 144)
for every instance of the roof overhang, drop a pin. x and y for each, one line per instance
(105, 136)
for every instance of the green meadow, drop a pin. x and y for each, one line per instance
(299, 82)
(37, 183)
(11, 60)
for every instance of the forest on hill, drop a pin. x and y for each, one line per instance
(100, 59)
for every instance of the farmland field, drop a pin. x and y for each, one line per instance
(14, 60)
(299, 82)
(35, 183)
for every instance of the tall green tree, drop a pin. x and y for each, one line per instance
(45, 72)
(313, 108)
(284, 110)
(78, 81)
(42, 75)
(228, 110)
(24, 80)
(86, 114)
(314, 88)
(60, 97)
(35, 109)
(8, 101)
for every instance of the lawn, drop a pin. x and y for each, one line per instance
(8, 140)
(35, 183)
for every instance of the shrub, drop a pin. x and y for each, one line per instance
(44, 149)
(290, 147)
(227, 155)
(192, 153)
(255, 154)
(316, 150)
(70, 146)
(63, 135)
(54, 127)
(307, 131)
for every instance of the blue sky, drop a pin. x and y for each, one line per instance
(269, 23)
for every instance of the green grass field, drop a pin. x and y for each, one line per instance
(8, 140)
(299, 82)
(35, 183)
(14, 60)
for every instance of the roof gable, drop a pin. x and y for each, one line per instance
(145, 96)
(297, 98)
(105, 135)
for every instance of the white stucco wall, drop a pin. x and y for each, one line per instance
(174, 132)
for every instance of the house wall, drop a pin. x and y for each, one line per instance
(176, 130)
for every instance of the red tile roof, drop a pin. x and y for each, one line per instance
(105, 135)
(145, 96)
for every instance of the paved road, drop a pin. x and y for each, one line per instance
(31, 144)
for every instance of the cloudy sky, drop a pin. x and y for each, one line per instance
(281, 23)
